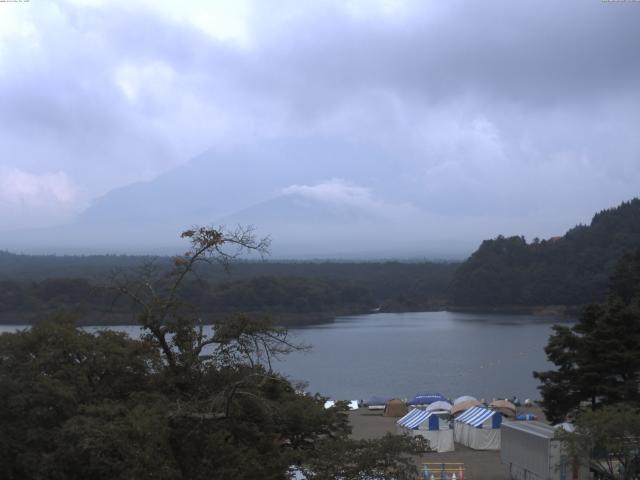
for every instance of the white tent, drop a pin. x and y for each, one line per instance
(464, 398)
(439, 405)
(478, 428)
(353, 404)
(430, 426)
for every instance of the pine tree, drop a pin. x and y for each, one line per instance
(598, 359)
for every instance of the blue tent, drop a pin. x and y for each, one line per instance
(426, 398)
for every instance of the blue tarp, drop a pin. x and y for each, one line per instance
(526, 416)
(426, 398)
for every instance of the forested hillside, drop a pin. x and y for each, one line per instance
(503, 272)
(569, 270)
(290, 292)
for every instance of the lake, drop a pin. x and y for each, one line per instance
(400, 354)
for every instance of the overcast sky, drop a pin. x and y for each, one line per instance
(527, 111)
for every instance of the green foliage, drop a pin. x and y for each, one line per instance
(177, 404)
(568, 270)
(75, 405)
(289, 294)
(51, 374)
(302, 291)
(608, 440)
(598, 359)
(389, 457)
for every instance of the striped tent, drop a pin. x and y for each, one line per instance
(430, 426)
(476, 417)
(478, 428)
(417, 417)
(412, 413)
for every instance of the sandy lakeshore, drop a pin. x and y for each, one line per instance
(479, 465)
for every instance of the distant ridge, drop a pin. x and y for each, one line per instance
(320, 206)
(568, 270)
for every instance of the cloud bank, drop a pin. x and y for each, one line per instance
(46, 199)
(514, 114)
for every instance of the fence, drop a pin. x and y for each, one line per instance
(443, 471)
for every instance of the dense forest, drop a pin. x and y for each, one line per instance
(288, 292)
(177, 403)
(568, 270)
(506, 272)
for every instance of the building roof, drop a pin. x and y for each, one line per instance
(538, 429)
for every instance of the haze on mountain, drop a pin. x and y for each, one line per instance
(379, 129)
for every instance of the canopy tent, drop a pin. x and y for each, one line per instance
(409, 418)
(440, 405)
(464, 398)
(504, 406)
(395, 408)
(479, 416)
(426, 399)
(377, 403)
(458, 408)
(478, 428)
(429, 426)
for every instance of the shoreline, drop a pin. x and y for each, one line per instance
(283, 319)
(567, 311)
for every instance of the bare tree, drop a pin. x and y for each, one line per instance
(176, 326)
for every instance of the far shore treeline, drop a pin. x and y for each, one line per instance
(505, 274)
(292, 293)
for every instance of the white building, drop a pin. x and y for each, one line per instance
(532, 452)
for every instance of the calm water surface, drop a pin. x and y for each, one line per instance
(399, 354)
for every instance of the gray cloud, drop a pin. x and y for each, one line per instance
(520, 115)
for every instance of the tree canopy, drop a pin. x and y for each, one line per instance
(598, 358)
(177, 403)
(607, 440)
(567, 270)
(292, 292)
